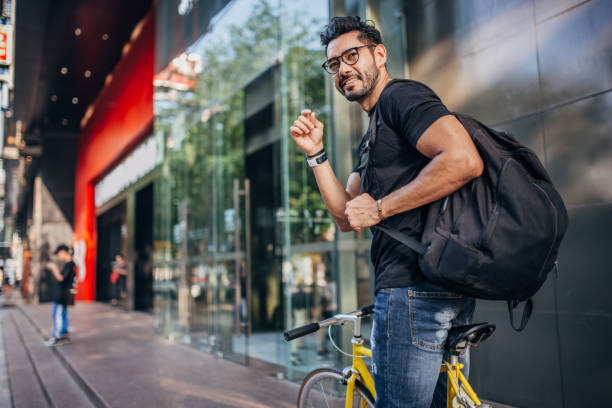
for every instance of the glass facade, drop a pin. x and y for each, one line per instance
(244, 246)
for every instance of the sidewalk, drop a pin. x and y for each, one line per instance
(116, 361)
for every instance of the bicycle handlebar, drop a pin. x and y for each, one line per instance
(301, 331)
(313, 327)
(367, 310)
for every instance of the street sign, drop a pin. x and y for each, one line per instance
(6, 44)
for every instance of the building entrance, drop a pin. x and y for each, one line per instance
(111, 241)
(143, 250)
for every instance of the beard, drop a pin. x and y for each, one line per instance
(368, 80)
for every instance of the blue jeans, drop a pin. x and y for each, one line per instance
(60, 320)
(408, 335)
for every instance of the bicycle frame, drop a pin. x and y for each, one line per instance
(457, 387)
(455, 379)
(359, 370)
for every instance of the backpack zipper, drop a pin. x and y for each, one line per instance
(554, 223)
(466, 205)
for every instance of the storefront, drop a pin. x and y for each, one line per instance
(115, 173)
(124, 225)
(244, 246)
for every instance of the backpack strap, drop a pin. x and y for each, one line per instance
(527, 310)
(367, 147)
(369, 143)
(405, 239)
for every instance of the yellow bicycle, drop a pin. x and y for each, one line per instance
(354, 386)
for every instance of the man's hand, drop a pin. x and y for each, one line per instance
(362, 212)
(307, 132)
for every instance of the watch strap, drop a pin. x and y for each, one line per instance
(311, 156)
(317, 160)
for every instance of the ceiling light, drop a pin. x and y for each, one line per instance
(53, 98)
(75, 100)
(78, 31)
(65, 122)
(64, 70)
(87, 73)
(105, 36)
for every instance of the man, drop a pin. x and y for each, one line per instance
(61, 295)
(6, 285)
(421, 154)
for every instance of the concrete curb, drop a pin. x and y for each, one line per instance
(95, 398)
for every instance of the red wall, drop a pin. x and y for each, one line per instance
(122, 117)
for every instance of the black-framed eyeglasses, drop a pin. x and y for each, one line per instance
(349, 57)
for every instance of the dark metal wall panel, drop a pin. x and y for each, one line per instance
(584, 305)
(479, 56)
(529, 130)
(545, 9)
(575, 51)
(483, 24)
(521, 369)
(541, 70)
(579, 149)
(499, 82)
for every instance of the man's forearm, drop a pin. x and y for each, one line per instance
(55, 271)
(334, 194)
(443, 175)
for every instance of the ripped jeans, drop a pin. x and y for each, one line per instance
(408, 334)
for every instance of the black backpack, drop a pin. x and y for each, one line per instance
(498, 236)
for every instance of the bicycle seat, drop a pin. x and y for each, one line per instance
(461, 337)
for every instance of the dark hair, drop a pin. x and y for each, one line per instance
(61, 247)
(337, 26)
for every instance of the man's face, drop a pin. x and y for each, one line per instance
(63, 255)
(356, 81)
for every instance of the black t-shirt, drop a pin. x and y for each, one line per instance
(62, 289)
(406, 109)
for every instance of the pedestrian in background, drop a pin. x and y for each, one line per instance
(118, 278)
(64, 279)
(6, 284)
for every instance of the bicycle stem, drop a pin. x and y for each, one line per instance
(340, 319)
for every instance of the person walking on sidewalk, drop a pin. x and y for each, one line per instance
(61, 295)
(421, 154)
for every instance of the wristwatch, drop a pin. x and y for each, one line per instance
(314, 162)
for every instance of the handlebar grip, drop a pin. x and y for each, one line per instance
(367, 310)
(301, 331)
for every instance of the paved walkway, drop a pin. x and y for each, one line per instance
(116, 361)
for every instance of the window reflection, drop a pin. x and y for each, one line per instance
(235, 266)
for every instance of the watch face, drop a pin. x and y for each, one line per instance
(316, 161)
